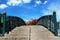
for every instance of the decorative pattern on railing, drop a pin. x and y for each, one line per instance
(50, 22)
(8, 23)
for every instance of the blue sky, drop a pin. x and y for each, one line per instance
(30, 9)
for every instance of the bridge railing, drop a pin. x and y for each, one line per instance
(50, 22)
(8, 23)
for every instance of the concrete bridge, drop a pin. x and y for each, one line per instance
(31, 32)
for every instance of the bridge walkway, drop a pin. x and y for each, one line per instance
(30, 32)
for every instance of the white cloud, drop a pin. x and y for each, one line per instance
(45, 2)
(14, 2)
(17, 2)
(38, 2)
(26, 1)
(2, 6)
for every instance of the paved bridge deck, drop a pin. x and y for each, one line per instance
(30, 33)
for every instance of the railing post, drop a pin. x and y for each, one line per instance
(4, 20)
(55, 24)
(0, 24)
